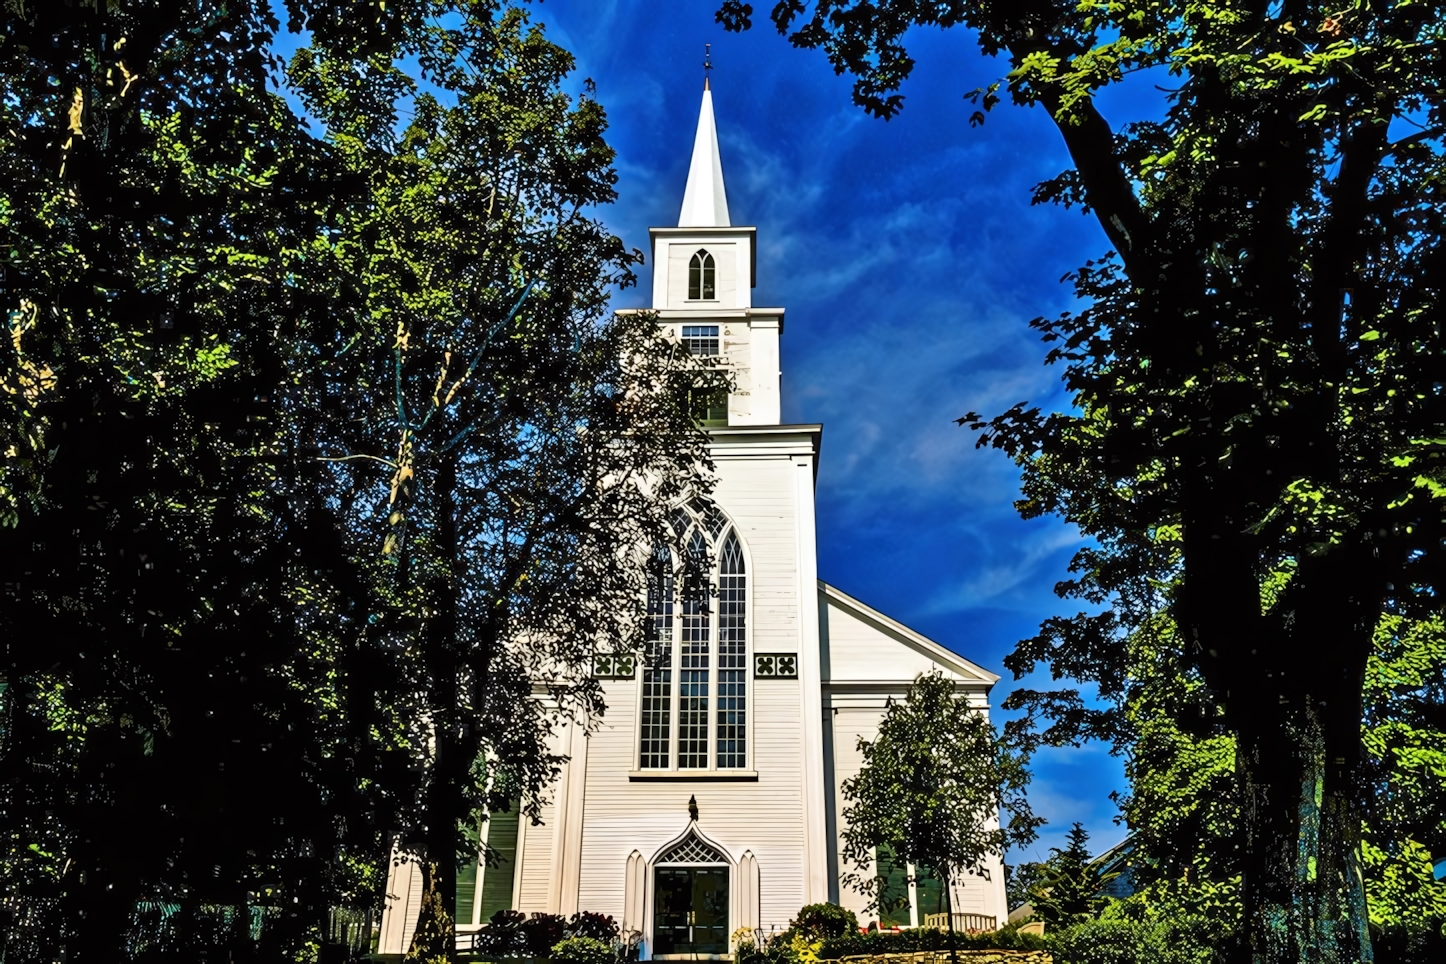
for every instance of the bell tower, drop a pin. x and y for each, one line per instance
(704, 272)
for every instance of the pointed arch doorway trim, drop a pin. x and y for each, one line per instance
(693, 898)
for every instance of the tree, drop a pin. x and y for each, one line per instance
(1183, 806)
(931, 791)
(526, 446)
(1069, 891)
(157, 203)
(320, 455)
(1019, 881)
(1255, 375)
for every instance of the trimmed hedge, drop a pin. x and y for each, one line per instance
(928, 939)
(582, 950)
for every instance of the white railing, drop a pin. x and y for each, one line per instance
(967, 923)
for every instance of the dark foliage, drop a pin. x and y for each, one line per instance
(818, 922)
(541, 931)
(1414, 942)
(588, 924)
(320, 447)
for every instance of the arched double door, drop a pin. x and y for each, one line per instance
(691, 898)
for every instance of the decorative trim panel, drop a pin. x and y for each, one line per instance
(614, 665)
(775, 666)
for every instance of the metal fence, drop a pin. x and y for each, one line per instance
(968, 923)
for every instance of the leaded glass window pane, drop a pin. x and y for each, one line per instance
(713, 520)
(679, 520)
(732, 657)
(656, 721)
(694, 654)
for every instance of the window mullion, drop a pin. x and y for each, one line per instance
(675, 695)
(715, 644)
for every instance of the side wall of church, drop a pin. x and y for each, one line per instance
(865, 663)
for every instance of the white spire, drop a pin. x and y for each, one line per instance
(705, 205)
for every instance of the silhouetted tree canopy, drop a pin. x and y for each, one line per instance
(1255, 445)
(321, 454)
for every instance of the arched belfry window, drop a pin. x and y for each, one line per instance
(700, 277)
(694, 697)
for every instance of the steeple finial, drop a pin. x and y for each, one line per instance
(705, 203)
(707, 63)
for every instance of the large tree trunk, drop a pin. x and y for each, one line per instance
(1291, 681)
(1301, 821)
(438, 940)
(1299, 758)
(1292, 685)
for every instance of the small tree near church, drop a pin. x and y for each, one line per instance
(931, 791)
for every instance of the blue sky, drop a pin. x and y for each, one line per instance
(910, 262)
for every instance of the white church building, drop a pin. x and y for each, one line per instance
(709, 797)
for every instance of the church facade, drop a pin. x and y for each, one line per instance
(709, 797)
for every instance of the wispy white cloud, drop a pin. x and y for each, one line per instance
(1001, 577)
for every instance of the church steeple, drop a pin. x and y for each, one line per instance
(705, 203)
(703, 279)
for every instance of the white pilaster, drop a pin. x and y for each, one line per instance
(764, 402)
(810, 682)
(567, 839)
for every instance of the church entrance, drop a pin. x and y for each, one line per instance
(690, 899)
(691, 910)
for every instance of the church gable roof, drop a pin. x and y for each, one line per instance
(863, 645)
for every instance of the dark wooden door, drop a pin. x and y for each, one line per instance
(690, 910)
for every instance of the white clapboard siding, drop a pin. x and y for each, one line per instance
(865, 646)
(764, 817)
(849, 725)
(535, 887)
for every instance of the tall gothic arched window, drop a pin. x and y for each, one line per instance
(656, 723)
(694, 659)
(732, 655)
(701, 722)
(700, 277)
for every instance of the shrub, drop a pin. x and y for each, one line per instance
(542, 931)
(1105, 942)
(927, 939)
(582, 950)
(819, 922)
(588, 924)
(503, 934)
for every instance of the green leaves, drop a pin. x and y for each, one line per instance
(931, 785)
(320, 451)
(1256, 371)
